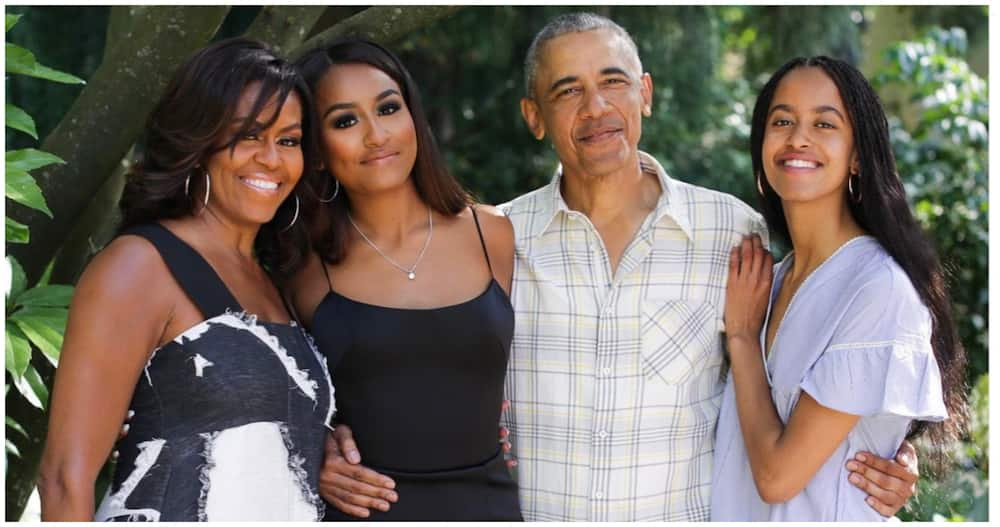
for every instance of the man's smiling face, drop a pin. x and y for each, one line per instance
(589, 97)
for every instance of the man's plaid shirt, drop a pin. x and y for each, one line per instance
(615, 380)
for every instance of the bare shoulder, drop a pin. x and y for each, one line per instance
(129, 268)
(499, 235)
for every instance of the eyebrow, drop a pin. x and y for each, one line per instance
(241, 120)
(611, 70)
(819, 109)
(347, 105)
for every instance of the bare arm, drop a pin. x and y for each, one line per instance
(813, 432)
(106, 346)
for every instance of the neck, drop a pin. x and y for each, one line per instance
(818, 229)
(390, 216)
(228, 235)
(606, 197)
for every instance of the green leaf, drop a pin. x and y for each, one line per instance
(11, 20)
(18, 281)
(46, 296)
(32, 388)
(21, 187)
(44, 327)
(17, 353)
(19, 60)
(28, 159)
(16, 427)
(19, 119)
(16, 232)
(22, 62)
(11, 448)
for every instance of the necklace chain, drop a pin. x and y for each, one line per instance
(410, 273)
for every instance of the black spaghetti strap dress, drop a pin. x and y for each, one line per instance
(229, 416)
(421, 390)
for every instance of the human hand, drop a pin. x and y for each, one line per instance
(748, 287)
(349, 486)
(889, 483)
(504, 435)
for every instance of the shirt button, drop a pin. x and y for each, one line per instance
(606, 371)
(602, 434)
(598, 495)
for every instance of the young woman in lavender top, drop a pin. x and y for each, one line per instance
(852, 348)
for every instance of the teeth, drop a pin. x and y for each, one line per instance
(800, 163)
(261, 184)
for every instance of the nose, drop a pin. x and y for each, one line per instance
(594, 104)
(377, 135)
(798, 136)
(267, 155)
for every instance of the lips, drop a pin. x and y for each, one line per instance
(798, 161)
(599, 134)
(379, 158)
(261, 184)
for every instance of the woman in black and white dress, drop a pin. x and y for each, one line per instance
(179, 315)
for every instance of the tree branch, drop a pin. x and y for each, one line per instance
(382, 24)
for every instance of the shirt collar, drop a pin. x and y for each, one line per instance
(671, 202)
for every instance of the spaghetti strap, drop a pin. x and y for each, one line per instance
(193, 273)
(329, 285)
(481, 240)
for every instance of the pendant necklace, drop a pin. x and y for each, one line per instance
(411, 272)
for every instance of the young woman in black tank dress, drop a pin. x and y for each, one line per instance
(407, 296)
(178, 316)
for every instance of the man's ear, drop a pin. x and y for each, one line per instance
(646, 90)
(532, 117)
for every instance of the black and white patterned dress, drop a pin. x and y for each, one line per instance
(229, 416)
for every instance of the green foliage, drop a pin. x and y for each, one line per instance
(943, 159)
(36, 317)
(963, 493)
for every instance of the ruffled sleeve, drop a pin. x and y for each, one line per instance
(880, 359)
(898, 377)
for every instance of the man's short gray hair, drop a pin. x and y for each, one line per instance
(569, 23)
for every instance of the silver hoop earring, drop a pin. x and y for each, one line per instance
(208, 189)
(760, 188)
(336, 190)
(295, 217)
(850, 187)
(187, 185)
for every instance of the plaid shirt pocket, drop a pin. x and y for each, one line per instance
(678, 337)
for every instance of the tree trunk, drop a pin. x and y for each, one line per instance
(106, 118)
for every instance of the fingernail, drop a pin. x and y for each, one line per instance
(131, 413)
(383, 506)
(390, 484)
(852, 465)
(513, 463)
(353, 456)
(856, 479)
(393, 497)
(364, 513)
(125, 429)
(860, 457)
(870, 501)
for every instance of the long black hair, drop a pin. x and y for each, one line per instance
(435, 185)
(191, 123)
(885, 214)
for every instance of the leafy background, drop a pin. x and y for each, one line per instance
(928, 64)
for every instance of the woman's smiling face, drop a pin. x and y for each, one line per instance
(808, 151)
